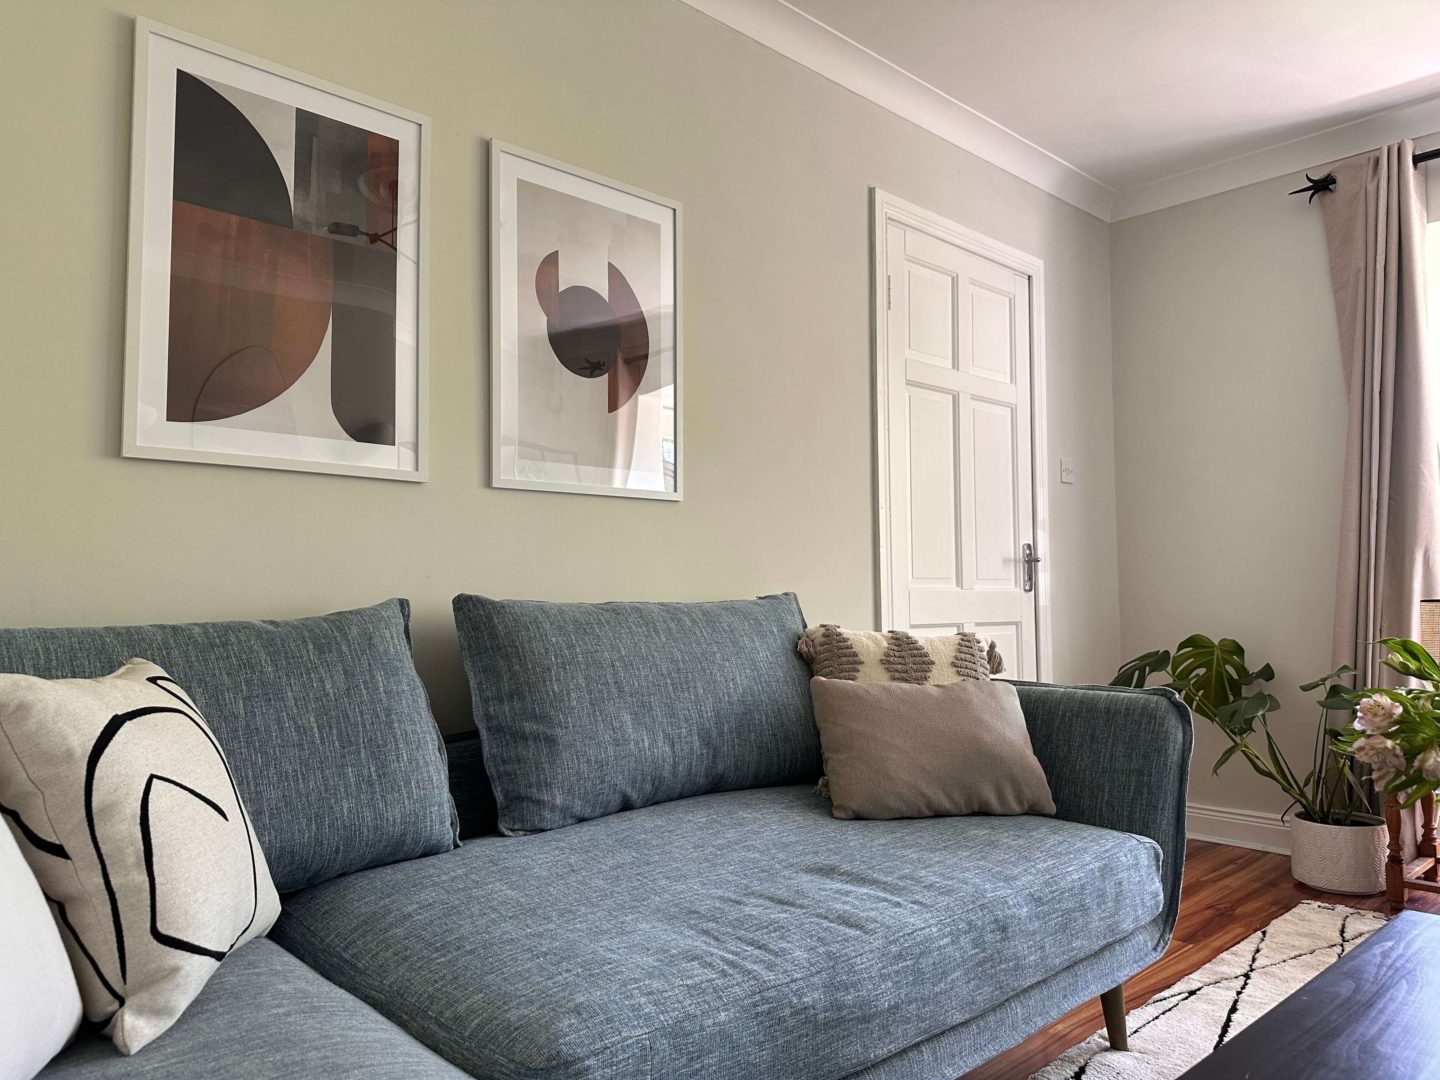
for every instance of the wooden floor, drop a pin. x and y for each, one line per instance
(1229, 893)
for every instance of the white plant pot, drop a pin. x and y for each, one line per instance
(1339, 858)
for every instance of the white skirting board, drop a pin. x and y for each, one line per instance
(1239, 828)
(1264, 832)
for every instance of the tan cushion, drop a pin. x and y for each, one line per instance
(896, 750)
(896, 656)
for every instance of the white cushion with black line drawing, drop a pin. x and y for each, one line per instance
(124, 807)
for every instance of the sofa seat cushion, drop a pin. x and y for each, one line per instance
(745, 933)
(263, 1013)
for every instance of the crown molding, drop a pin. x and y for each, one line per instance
(812, 44)
(780, 26)
(1415, 120)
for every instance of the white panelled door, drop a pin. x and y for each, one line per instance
(957, 498)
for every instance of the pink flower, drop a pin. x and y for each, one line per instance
(1377, 714)
(1381, 754)
(1429, 763)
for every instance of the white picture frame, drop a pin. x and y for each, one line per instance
(633, 423)
(305, 429)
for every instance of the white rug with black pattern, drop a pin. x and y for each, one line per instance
(1179, 1026)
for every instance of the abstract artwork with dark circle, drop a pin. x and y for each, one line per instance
(592, 335)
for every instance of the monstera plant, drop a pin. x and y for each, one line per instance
(1216, 681)
(1336, 843)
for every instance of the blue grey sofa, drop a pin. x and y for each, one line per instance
(742, 932)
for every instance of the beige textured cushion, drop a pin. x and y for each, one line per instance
(896, 750)
(123, 805)
(896, 656)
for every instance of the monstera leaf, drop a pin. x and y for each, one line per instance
(1338, 697)
(1137, 672)
(1341, 672)
(1237, 718)
(1213, 674)
(1213, 679)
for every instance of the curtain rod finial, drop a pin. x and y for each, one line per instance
(1316, 185)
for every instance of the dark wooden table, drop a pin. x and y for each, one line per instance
(1372, 1015)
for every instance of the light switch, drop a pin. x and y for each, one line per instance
(1067, 471)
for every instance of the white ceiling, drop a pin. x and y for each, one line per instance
(1138, 103)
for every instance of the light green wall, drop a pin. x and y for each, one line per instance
(1230, 438)
(1230, 423)
(773, 165)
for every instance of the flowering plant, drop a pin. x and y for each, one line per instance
(1396, 730)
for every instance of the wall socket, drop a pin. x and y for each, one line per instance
(1067, 471)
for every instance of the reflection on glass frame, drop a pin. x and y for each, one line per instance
(275, 312)
(584, 315)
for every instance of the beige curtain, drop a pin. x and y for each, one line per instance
(1375, 230)
(1390, 535)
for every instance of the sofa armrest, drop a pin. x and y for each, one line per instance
(1120, 759)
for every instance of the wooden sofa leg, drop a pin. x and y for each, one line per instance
(1113, 1002)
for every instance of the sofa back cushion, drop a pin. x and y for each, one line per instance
(326, 726)
(589, 709)
(469, 786)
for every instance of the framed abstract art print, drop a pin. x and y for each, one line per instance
(276, 306)
(585, 327)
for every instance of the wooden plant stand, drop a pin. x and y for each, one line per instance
(1421, 874)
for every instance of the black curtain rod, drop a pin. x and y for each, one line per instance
(1327, 182)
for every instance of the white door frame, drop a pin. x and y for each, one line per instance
(885, 209)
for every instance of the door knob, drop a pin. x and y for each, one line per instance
(1029, 560)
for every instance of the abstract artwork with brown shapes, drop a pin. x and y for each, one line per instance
(585, 393)
(282, 258)
(592, 335)
(275, 301)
